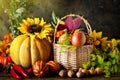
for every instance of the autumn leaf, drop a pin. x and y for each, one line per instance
(72, 24)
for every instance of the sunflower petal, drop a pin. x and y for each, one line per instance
(47, 26)
(28, 27)
(36, 21)
(25, 22)
(42, 22)
(29, 21)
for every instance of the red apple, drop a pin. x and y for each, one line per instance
(78, 38)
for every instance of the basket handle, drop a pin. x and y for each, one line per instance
(88, 26)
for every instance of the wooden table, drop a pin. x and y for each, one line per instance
(114, 77)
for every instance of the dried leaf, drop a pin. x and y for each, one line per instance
(77, 22)
(72, 24)
(69, 23)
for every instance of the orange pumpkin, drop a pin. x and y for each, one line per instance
(25, 50)
(40, 69)
(54, 66)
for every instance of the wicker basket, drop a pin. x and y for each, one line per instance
(72, 57)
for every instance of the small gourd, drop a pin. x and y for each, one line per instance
(54, 66)
(40, 69)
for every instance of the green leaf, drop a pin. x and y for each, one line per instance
(93, 57)
(86, 65)
(108, 63)
(53, 24)
(54, 17)
(115, 68)
(100, 59)
(112, 70)
(118, 68)
(113, 61)
(93, 64)
(107, 74)
(106, 67)
(15, 14)
(112, 53)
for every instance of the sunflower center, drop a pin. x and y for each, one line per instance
(34, 28)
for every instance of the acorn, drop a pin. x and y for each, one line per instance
(63, 73)
(70, 73)
(85, 71)
(99, 70)
(92, 71)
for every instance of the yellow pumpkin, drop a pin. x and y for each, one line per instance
(25, 51)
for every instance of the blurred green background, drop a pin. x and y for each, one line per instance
(103, 15)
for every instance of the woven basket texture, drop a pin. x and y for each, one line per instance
(72, 57)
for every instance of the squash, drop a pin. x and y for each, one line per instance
(25, 50)
(54, 66)
(40, 68)
(33, 44)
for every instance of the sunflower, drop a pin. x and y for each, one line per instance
(36, 27)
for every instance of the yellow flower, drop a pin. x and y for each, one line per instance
(112, 44)
(104, 43)
(99, 41)
(37, 27)
(97, 36)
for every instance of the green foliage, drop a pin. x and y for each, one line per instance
(15, 13)
(55, 19)
(108, 60)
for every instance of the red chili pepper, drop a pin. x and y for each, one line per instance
(29, 70)
(14, 74)
(20, 70)
(9, 59)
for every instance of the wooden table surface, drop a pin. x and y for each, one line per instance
(114, 77)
